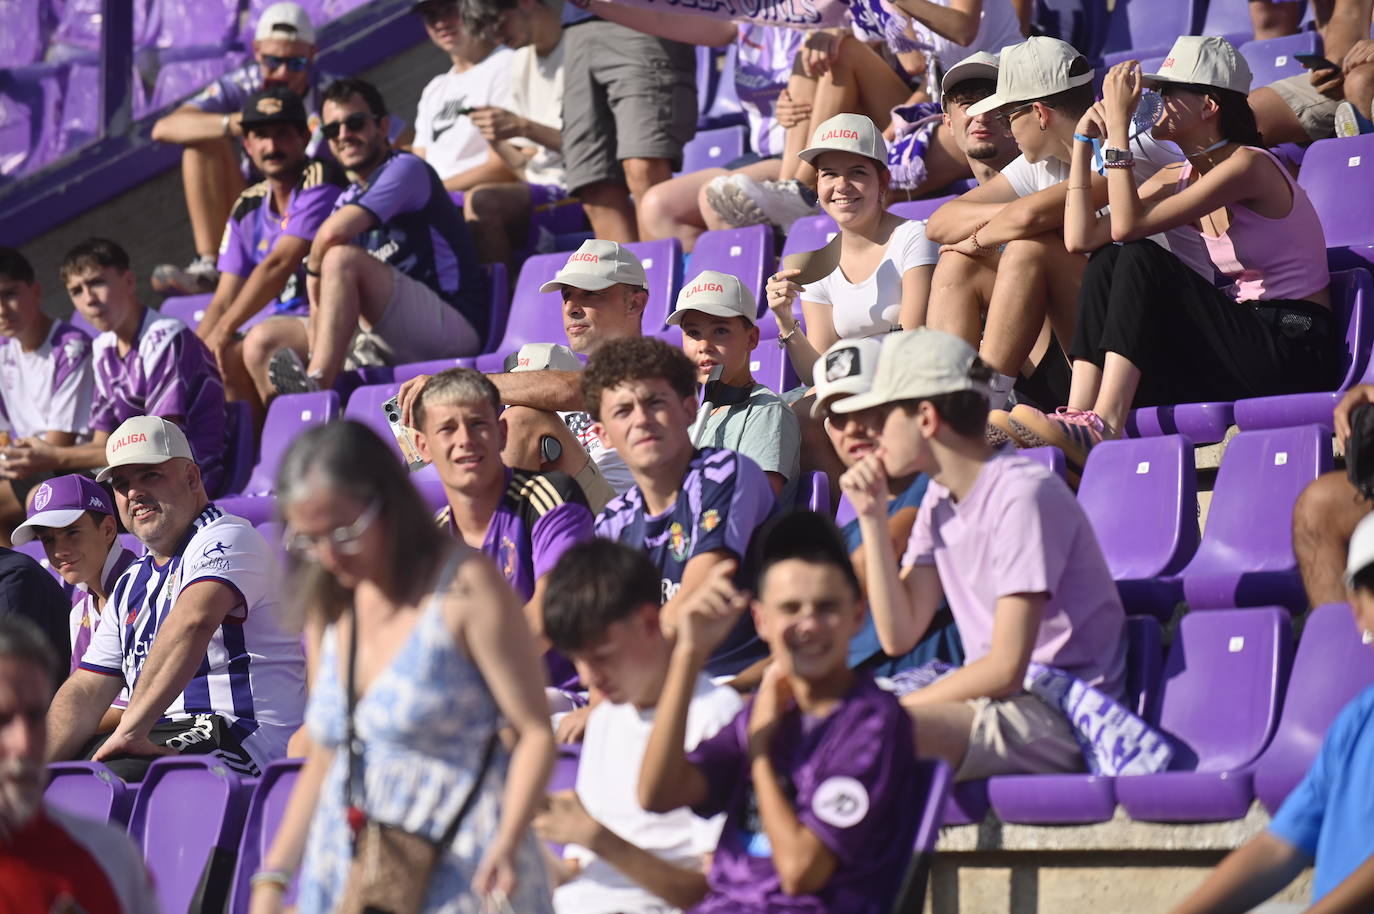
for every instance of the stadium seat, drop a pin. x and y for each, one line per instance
(934, 778)
(365, 406)
(1147, 28)
(1230, 19)
(404, 373)
(1338, 175)
(1245, 557)
(499, 279)
(30, 115)
(662, 262)
(192, 23)
(1330, 669)
(809, 233)
(22, 32)
(189, 309)
(844, 511)
(813, 492)
(1051, 457)
(967, 803)
(187, 819)
(1352, 305)
(1272, 59)
(265, 810)
(769, 365)
(535, 317)
(243, 447)
(181, 75)
(1219, 702)
(272, 531)
(1153, 482)
(132, 543)
(90, 790)
(80, 119)
(713, 148)
(1200, 423)
(287, 417)
(918, 209)
(743, 252)
(79, 24)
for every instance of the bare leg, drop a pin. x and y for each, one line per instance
(641, 175)
(1276, 121)
(355, 289)
(670, 210)
(942, 730)
(1120, 378)
(609, 210)
(1359, 88)
(959, 292)
(266, 338)
(239, 384)
(766, 170)
(1036, 278)
(1271, 20)
(499, 217)
(1324, 518)
(212, 181)
(802, 88)
(1086, 382)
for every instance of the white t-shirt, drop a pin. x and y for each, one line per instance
(874, 306)
(998, 28)
(1150, 156)
(450, 141)
(608, 786)
(536, 94)
(49, 389)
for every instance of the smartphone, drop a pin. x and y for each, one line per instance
(1315, 62)
(405, 435)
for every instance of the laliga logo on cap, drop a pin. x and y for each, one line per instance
(840, 134)
(135, 438)
(1168, 63)
(269, 106)
(42, 497)
(705, 287)
(584, 258)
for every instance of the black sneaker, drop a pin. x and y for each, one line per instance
(287, 373)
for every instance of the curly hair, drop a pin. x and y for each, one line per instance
(640, 358)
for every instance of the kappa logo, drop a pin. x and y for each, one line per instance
(840, 133)
(841, 364)
(135, 438)
(705, 287)
(42, 497)
(95, 503)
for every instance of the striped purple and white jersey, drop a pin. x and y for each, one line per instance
(253, 673)
(48, 389)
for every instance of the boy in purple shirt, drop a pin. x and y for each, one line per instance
(1004, 540)
(816, 774)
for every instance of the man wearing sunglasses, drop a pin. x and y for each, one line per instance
(192, 628)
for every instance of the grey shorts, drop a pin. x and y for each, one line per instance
(1314, 111)
(417, 326)
(626, 95)
(1018, 735)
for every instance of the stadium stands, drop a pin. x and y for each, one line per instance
(90, 789)
(265, 810)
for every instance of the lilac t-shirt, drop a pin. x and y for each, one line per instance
(1020, 530)
(851, 777)
(167, 372)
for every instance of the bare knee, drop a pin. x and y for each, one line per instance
(1359, 87)
(642, 174)
(345, 261)
(1329, 507)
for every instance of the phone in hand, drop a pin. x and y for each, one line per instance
(1315, 62)
(405, 435)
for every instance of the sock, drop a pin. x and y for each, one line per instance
(1001, 389)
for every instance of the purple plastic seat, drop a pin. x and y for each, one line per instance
(746, 253)
(813, 492)
(1148, 27)
(287, 417)
(30, 115)
(1229, 19)
(844, 511)
(1200, 423)
(1330, 669)
(1272, 59)
(1245, 557)
(918, 209)
(23, 32)
(187, 819)
(1219, 702)
(80, 119)
(265, 810)
(180, 79)
(1051, 457)
(499, 279)
(132, 543)
(1352, 304)
(810, 233)
(188, 23)
(1338, 175)
(713, 148)
(934, 779)
(404, 373)
(535, 317)
(770, 366)
(365, 406)
(189, 309)
(1153, 482)
(34, 550)
(89, 790)
(662, 262)
(79, 24)
(243, 447)
(273, 531)
(967, 803)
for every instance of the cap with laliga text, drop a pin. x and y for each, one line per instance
(1034, 69)
(144, 439)
(846, 368)
(598, 265)
(542, 356)
(847, 133)
(59, 503)
(978, 65)
(914, 364)
(1203, 60)
(285, 21)
(717, 294)
(274, 105)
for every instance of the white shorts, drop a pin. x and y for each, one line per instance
(418, 326)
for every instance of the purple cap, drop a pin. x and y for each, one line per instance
(60, 502)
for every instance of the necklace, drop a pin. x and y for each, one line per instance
(1213, 148)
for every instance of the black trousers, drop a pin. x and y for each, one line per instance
(1190, 340)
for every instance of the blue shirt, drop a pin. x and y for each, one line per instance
(1329, 816)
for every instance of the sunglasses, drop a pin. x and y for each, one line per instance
(354, 122)
(294, 64)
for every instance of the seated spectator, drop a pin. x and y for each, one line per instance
(445, 136)
(1152, 334)
(393, 264)
(845, 370)
(716, 313)
(29, 591)
(604, 293)
(74, 519)
(815, 775)
(207, 123)
(1049, 598)
(691, 508)
(145, 363)
(261, 260)
(45, 384)
(522, 520)
(1325, 821)
(54, 861)
(193, 628)
(1004, 253)
(603, 612)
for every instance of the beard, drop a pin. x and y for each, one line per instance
(21, 794)
(981, 151)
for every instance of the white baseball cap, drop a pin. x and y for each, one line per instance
(847, 133)
(598, 265)
(285, 21)
(847, 368)
(141, 440)
(717, 294)
(1034, 69)
(541, 356)
(978, 65)
(914, 364)
(1361, 554)
(1203, 60)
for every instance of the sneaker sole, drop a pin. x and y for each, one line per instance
(287, 373)
(735, 207)
(1345, 124)
(1031, 439)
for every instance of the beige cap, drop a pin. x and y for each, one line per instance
(914, 364)
(142, 440)
(717, 294)
(542, 356)
(978, 65)
(598, 265)
(847, 368)
(285, 21)
(1034, 69)
(1204, 60)
(847, 133)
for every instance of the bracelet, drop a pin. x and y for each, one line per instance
(1120, 163)
(277, 878)
(785, 338)
(1080, 187)
(310, 272)
(1083, 139)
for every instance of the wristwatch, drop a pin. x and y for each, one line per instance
(1117, 158)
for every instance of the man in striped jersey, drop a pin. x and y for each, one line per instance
(192, 628)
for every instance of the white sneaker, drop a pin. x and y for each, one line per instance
(1348, 121)
(781, 202)
(728, 199)
(200, 275)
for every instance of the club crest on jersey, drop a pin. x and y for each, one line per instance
(677, 542)
(710, 520)
(505, 557)
(42, 497)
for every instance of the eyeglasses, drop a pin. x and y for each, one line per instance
(1005, 117)
(354, 122)
(294, 64)
(343, 540)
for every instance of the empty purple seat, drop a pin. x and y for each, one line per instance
(1200, 423)
(189, 309)
(80, 22)
(287, 417)
(844, 511)
(535, 317)
(242, 449)
(23, 32)
(1051, 457)
(498, 278)
(1352, 305)
(1219, 702)
(1272, 59)
(770, 366)
(746, 253)
(189, 23)
(810, 233)
(918, 209)
(967, 803)
(1246, 557)
(365, 406)
(89, 790)
(934, 779)
(1229, 19)
(265, 810)
(30, 117)
(1338, 175)
(273, 532)
(187, 819)
(813, 492)
(713, 148)
(662, 262)
(1148, 27)
(1330, 669)
(1153, 483)
(178, 80)
(80, 119)
(132, 543)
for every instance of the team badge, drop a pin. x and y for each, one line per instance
(840, 801)
(506, 557)
(269, 106)
(677, 542)
(42, 497)
(710, 520)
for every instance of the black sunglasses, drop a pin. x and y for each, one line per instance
(294, 64)
(354, 122)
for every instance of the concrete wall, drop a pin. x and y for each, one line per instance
(150, 220)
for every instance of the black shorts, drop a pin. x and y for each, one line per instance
(203, 734)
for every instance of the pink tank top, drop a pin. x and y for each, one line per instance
(1270, 258)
